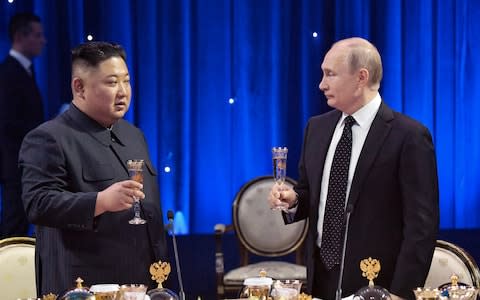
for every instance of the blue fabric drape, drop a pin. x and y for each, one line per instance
(217, 83)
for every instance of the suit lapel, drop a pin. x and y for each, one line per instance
(375, 138)
(327, 127)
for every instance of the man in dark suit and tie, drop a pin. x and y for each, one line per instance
(21, 110)
(76, 185)
(377, 163)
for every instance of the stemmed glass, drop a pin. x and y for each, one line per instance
(135, 171)
(133, 291)
(279, 159)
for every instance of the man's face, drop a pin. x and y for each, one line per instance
(107, 91)
(33, 42)
(339, 84)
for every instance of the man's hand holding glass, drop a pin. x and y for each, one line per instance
(282, 197)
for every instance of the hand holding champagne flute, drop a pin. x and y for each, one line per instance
(135, 171)
(279, 159)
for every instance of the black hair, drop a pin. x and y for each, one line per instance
(93, 53)
(21, 23)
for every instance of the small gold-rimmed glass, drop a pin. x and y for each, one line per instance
(135, 171)
(133, 292)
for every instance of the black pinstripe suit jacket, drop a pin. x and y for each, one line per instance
(65, 163)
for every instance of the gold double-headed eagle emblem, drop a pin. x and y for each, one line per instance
(160, 271)
(370, 268)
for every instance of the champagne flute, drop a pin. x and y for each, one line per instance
(279, 159)
(135, 171)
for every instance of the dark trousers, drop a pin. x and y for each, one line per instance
(13, 219)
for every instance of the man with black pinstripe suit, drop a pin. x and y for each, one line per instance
(76, 186)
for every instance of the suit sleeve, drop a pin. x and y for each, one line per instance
(302, 187)
(45, 179)
(419, 187)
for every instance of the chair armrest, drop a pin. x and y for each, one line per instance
(220, 230)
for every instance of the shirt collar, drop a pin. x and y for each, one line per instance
(365, 115)
(22, 59)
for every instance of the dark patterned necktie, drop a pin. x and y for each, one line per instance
(334, 218)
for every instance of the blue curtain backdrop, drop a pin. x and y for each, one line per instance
(217, 83)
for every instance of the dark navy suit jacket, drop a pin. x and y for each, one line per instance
(65, 162)
(21, 110)
(394, 194)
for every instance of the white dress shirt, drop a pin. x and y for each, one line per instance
(364, 118)
(22, 59)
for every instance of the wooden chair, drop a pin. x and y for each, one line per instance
(260, 231)
(17, 268)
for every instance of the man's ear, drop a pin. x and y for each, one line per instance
(363, 76)
(78, 87)
(18, 37)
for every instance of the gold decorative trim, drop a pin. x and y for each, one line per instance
(17, 240)
(49, 296)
